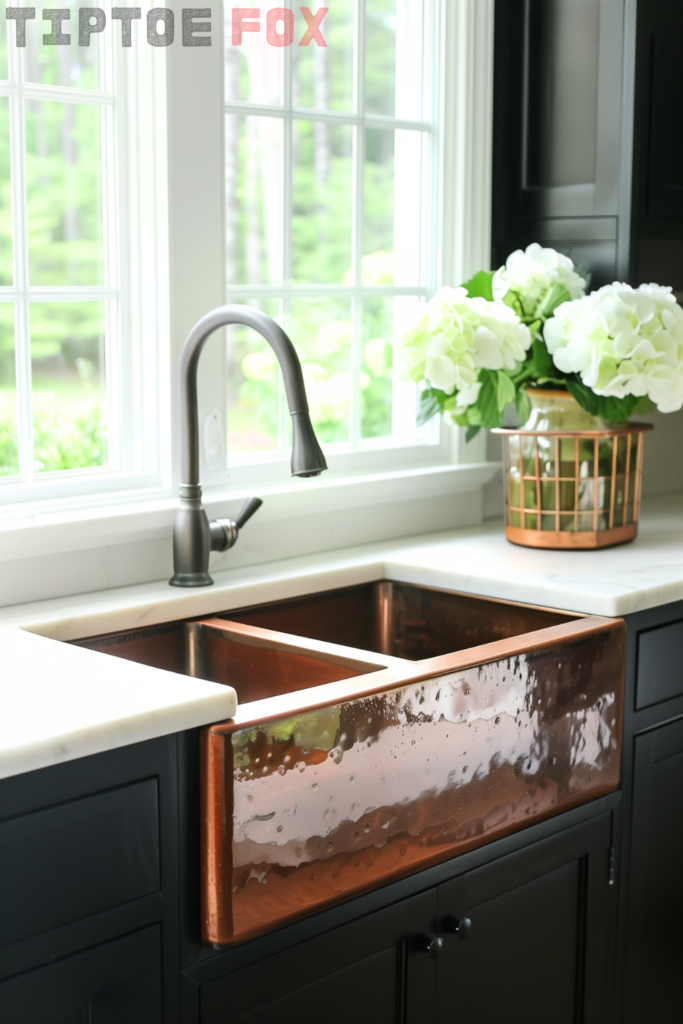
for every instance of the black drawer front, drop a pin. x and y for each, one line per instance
(114, 983)
(660, 664)
(68, 861)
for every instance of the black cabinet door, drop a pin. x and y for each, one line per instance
(654, 962)
(116, 982)
(537, 947)
(374, 971)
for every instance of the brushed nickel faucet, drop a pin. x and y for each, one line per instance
(194, 537)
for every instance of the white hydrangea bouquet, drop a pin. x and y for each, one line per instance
(530, 323)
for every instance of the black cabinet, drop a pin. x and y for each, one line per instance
(654, 957)
(558, 136)
(536, 925)
(89, 890)
(115, 982)
(657, 213)
(377, 970)
(526, 938)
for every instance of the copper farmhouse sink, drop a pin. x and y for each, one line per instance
(381, 729)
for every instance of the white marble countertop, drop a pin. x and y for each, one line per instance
(59, 702)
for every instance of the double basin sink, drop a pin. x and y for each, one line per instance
(383, 728)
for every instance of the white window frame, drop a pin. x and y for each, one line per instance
(135, 231)
(177, 274)
(462, 96)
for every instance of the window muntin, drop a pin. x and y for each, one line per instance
(331, 168)
(74, 135)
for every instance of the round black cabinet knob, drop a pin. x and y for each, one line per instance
(461, 928)
(432, 946)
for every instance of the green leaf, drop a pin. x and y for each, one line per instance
(549, 302)
(513, 300)
(487, 401)
(614, 410)
(541, 359)
(471, 432)
(505, 391)
(429, 405)
(523, 405)
(480, 286)
(583, 395)
(644, 406)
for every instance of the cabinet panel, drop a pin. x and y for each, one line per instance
(558, 68)
(364, 991)
(373, 971)
(117, 982)
(537, 950)
(71, 860)
(654, 976)
(660, 664)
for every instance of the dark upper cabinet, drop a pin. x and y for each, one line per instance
(557, 128)
(654, 955)
(536, 935)
(657, 229)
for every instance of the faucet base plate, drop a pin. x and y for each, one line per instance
(190, 579)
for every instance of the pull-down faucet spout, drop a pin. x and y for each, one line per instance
(193, 536)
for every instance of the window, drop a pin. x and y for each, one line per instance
(334, 200)
(331, 174)
(72, 369)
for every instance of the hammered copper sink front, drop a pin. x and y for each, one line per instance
(458, 720)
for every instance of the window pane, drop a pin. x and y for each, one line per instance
(253, 69)
(321, 333)
(6, 269)
(64, 200)
(69, 387)
(72, 65)
(392, 197)
(393, 58)
(321, 205)
(9, 447)
(253, 199)
(253, 386)
(322, 77)
(375, 378)
(378, 215)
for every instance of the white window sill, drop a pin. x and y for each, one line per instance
(58, 531)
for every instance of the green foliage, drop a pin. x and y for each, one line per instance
(70, 437)
(481, 285)
(614, 410)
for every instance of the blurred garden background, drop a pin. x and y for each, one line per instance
(291, 206)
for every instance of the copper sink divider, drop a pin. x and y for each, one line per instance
(555, 711)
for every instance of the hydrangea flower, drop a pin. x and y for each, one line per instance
(456, 338)
(622, 341)
(533, 273)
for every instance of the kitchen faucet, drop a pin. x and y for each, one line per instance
(194, 537)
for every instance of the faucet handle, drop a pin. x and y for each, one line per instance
(250, 506)
(224, 532)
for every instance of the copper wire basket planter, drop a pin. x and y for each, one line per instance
(573, 490)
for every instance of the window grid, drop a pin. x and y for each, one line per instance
(404, 396)
(20, 91)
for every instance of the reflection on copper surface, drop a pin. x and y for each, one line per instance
(383, 728)
(303, 812)
(400, 619)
